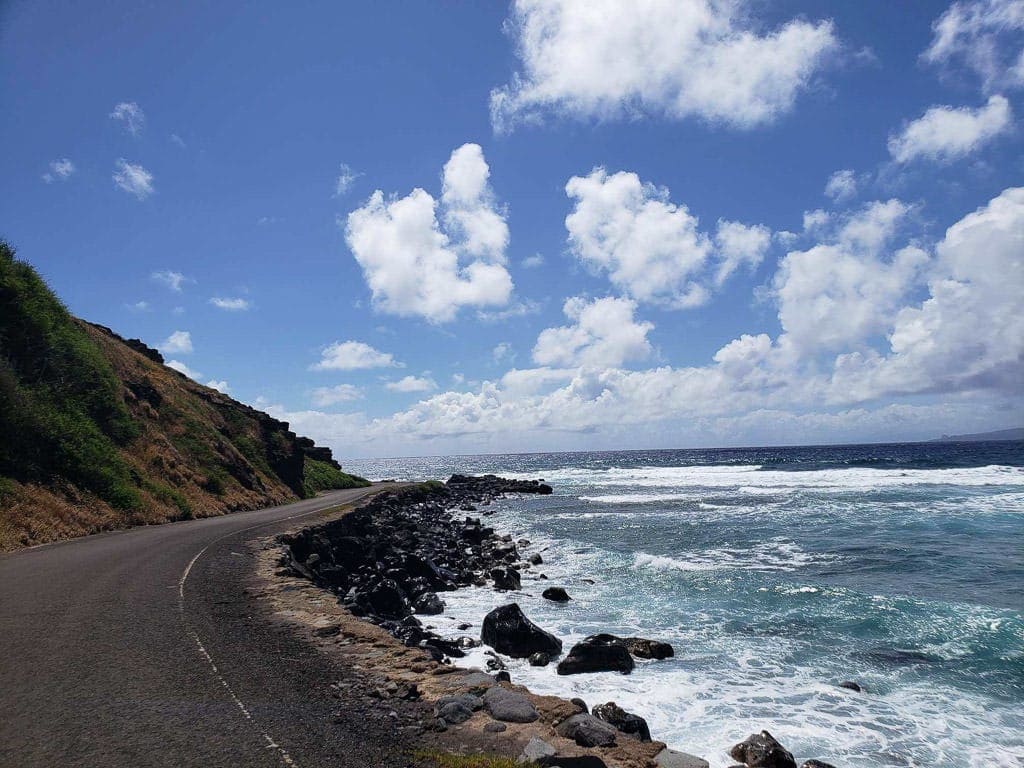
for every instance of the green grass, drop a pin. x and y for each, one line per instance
(452, 760)
(61, 410)
(320, 476)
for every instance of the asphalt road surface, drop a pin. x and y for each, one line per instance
(140, 648)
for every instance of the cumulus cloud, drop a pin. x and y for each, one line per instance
(650, 247)
(945, 133)
(342, 393)
(969, 333)
(418, 265)
(925, 322)
(986, 37)
(133, 179)
(183, 369)
(603, 334)
(841, 185)
(131, 115)
(346, 178)
(606, 59)
(178, 343)
(843, 290)
(231, 304)
(59, 170)
(170, 278)
(412, 384)
(221, 386)
(532, 262)
(351, 356)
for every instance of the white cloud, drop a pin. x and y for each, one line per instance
(945, 133)
(131, 114)
(503, 352)
(138, 306)
(342, 393)
(739, 245)
(133, 179)
(532, 262)
(176, 139)
(59, 170)
(843, 290)
(351, 356)
(986, 36)
(841, 185)
(969, 333)
(231, 304)
(416, 267)
(170, 278)
(650, 247)
(677, 58)
(519, 309)
(894, 320)
(603, 334)
(183, 369)
(221, 386)
(346, 178)
(412, 384)
(178, 343)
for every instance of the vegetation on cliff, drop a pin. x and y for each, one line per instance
(96, 433)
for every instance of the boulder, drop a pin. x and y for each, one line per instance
(587, 731)
(851, 686)
(670, 758)
(626, 722)
(454, 713)
(506, 579)
(761, 750)
(509, 706)
(595, 654)
(572, 761)
(536, 749)
(429, 604)
(495, 727)
(556, 594)
(386, 599)
(539, 659)
(643, 648)
(816, 764)
(507, 630)
(536, 559)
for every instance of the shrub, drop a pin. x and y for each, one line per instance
(320, 476)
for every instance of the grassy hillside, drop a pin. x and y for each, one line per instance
(96, 433)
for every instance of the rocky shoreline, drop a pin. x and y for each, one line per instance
(390, 561)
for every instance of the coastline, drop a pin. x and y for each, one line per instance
(420, 661)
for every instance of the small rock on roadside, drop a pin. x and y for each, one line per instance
(536, 749)
(671, 758)
(509, 706)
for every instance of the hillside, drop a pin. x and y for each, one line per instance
(96, 433)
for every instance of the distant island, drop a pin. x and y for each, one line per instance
(1016, 433)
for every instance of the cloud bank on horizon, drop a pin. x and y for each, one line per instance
(652, 303)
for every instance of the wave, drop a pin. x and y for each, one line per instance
(755, 478)
(778, 554)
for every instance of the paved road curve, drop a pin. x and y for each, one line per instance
(101, 664)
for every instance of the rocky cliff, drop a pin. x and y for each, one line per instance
(97, 433)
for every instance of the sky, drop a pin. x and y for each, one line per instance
(453, 227)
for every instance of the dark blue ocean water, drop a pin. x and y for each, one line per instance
(777, 573)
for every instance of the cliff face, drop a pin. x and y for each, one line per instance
(96, 433)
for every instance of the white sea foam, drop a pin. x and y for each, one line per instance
(778, 554)
(754, 479)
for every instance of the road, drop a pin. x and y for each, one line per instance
(140, 648)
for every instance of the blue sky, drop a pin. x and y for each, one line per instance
(662, 225)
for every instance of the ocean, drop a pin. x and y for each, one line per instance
(777, 573)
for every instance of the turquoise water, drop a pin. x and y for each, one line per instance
(777, 573)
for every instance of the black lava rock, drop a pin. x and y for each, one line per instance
(507, 630)
(761, 750)
(556, 594)
(624, 721)
(596, 654)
